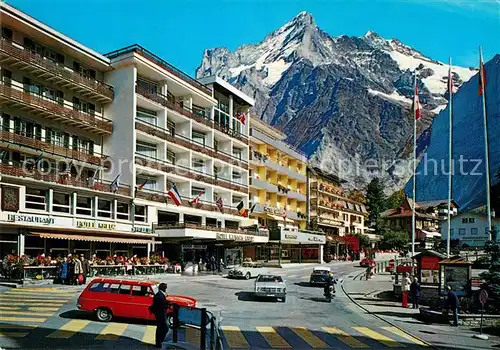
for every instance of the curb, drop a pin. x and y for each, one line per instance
(386, 321)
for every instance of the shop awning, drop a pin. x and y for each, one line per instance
(93, 238)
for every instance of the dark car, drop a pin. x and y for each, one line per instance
(319, 276)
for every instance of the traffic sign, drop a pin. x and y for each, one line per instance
(483, 297)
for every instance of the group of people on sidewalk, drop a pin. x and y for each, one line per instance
(74, 270)
(412, 289)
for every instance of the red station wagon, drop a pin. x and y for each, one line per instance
(109, 297)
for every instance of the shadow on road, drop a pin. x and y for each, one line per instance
(395, 314)
(250, 296)
(306, 284)
(317, 299)
(84, 315)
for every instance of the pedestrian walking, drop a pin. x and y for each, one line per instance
(405, 288)
(159, 309)
(453, 304)
(415, 292)
(78, 270)
(63, 271)
(85, 268)
(71, 270)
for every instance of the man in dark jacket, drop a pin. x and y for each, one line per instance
(415, 292)
(85, 268)
(159, 309)
(453, 303)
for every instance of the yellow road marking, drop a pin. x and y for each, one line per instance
(31, 304)
(345, 338)
(13, 334)
(38, 290)
(235, 339)
(54, 309)
(38, 295)
(379, 337)
(149, 335)
(29, 300)
(68, 330)
(25, 313)
(402, 334)
(113, 331)
(309, 338)
(22, 319)
(193, 335)
(273, 338)
(10, 308)
(292, 276)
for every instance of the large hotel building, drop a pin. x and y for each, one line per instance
(125, 154)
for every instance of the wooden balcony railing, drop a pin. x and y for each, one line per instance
(22, 170)
(53, 109)
(21, 138)
(9, 51)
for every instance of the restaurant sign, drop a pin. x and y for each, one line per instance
(98, 225)
(234, 237)
(295, 236)
(273, 210)
(142, 229)
(31, 219)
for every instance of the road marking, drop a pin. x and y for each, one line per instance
(54, 309)
(10, 308)
(345, 338)
(18, 326)
(69, 329)
(235, 339)
(402, 334)
(273, 338)
(113, 331)
(379, 337)
(30, 304)
(13, 334)
(149, 335)
(291, 276)
(309, 338)
(193, 335)
(38, 290)
(22, 319)
(39, 300)
(25, 313)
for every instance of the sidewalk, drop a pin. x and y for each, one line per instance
(375, 297)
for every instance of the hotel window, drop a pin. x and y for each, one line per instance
(199, 110)
(199, 137)
(149, 183)
(146, 149)
(216, 145)
(84, 205)
(236, 177)
(83, 106)
(147, 86)
(61, 202)
(171, 157)
(473, 231)
(84, 71)
(36, 199)
(7, 33)
(140, 213)
(33, 47)
(222, 102)
(236, 126)
(461, 231)
(122, 211)
(32, 88)
(196, 191)
(104, 208)
(5, 122)
(6, 76)
(147, 116)
(199, 165)
(54, 56)
(171, 127)
(237, 152)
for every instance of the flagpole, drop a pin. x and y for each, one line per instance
(486, 143)
(414, 170)
(450, 160)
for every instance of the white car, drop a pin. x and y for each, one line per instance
(246, 270)
(270, 286)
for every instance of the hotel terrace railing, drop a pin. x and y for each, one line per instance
(185, 142)
(39, 143)
(162, 63)
(15, 53)
(54, 109)
(329, 189)
(192, 114)
(209, 228)
(189, 173)
(22, 170)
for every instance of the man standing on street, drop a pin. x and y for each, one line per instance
(405, 289)
(453, 303)
(159, 309)
(85, 268)
(415, 292)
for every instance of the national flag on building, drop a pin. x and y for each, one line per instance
(242, 210)
(173, 193)
(242, 118)
(252, 208)
(220, 204)
(140, 187)
(482, 75)
(115, 185)
(416, 104)
(195, 201)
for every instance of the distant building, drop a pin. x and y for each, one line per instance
(470, 228)
(438, 208)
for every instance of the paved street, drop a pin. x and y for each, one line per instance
(46, 317)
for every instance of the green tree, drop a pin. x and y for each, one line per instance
(357, 195)
(396, 199)
(394, 239)
(492, 276)
(364, 241)
(376, 200)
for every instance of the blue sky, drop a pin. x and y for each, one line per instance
(180, 30)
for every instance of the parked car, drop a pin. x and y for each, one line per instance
(246, 270)
(270, 286)
(108, 297)
(319, 276)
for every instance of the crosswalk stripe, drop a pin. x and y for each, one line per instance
(345, 338)
(13, 334)
(55, 291)
(22, 319)
(404, 335)
(292, 276)
(32, 304)
(273, 338)
(25, 313)
(235, 339)
(38, 290)
(54, 309)
(69, 329)
(113, 331)
(309, 338)
(193, 335)
(40, 300)
(379, 337)
(149, 335)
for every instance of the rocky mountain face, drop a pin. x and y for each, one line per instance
(344, 101)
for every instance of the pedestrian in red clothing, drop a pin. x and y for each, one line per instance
(405, 288)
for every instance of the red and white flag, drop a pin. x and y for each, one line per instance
(195, 201)
(219, 204)
(482, 75)
(416, 104)
(174, 194)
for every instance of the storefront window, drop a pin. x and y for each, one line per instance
(34, 245)
(84, 205)
(35, 199)
(122, 211)
(104, 208)
(61, 202)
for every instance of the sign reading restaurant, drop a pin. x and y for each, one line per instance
(30, 218)
(234, 237)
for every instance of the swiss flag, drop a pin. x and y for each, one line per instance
(416, 104)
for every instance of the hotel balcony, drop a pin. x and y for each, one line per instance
(19, 171)
(39, 143)
(259, 160)
(265, 185)
(280, 145)
(327, 189)
(14, 55)
(193, 114)
(189, 173)
(187, 143)
(53, 109)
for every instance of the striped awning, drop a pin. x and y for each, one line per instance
(93, 238)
